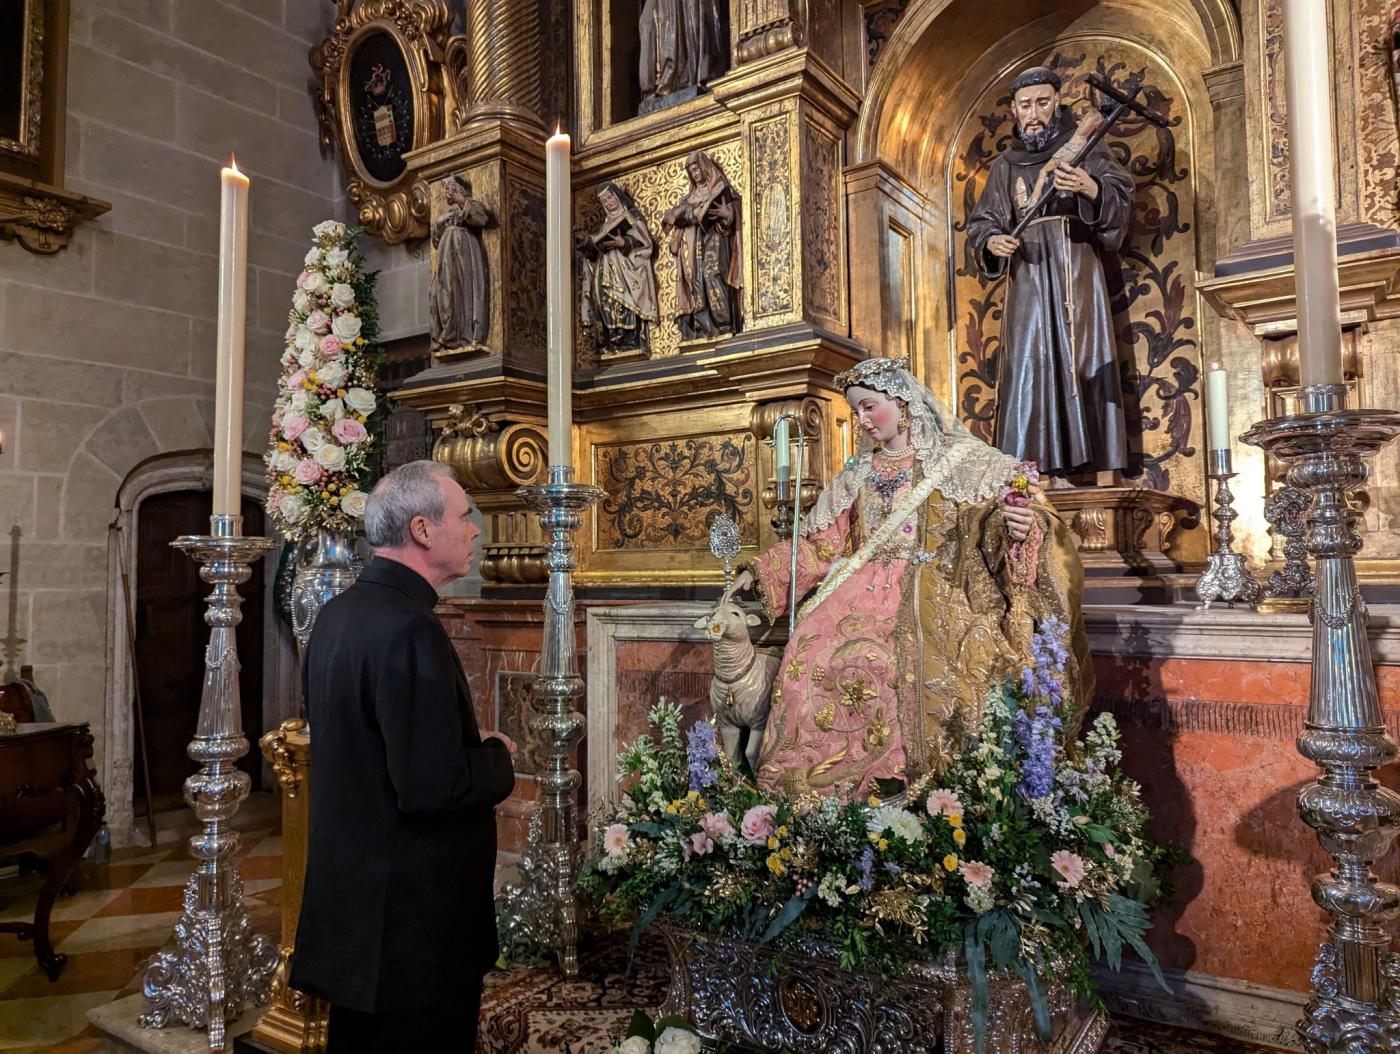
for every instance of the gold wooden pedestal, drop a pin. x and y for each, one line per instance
(294, 1021)
(1123, 533)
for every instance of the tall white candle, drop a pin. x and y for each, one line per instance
(1308, 89)
(559, 289)
(782, 452)
(233, 299)
(1217, 407)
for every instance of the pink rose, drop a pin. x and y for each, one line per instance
(717, 825)
(1069, 866)
(976, 874)
(294, 425)
(318, 321)
(348, 430)
(302, 280)
(308, 471)
(701, 843)
(1109, 851)
(330, 345)
(276, 419)
(297, 379)
(759, 823)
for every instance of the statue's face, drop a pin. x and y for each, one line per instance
(610, 203)
(694, 169)
(875, 412)
(1035, 107)
(455, 193)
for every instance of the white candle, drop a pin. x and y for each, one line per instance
(1217, 407)
(233, 299)
(782, 452)
(1308, 89)
(559, 289)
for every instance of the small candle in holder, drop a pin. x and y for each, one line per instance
(228, 370)
(1217, 407)
(782, 452)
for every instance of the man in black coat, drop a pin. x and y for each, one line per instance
(398, 922)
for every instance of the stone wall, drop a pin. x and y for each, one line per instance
(107, 348)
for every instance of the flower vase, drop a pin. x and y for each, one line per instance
(326, 566)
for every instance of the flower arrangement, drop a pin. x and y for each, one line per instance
(318, 457)
(669, 1035)
(1026, 854)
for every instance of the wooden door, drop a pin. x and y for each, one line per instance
(171, 636)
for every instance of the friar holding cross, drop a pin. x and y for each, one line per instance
(1054, 200)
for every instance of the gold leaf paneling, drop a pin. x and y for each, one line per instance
(526, 306)
(773, 216)
(822, 218)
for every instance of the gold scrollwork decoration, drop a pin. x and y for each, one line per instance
(395, 208)
(282, 756)
(485, 457)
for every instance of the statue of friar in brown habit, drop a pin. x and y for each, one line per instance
(1059, 397)
(684, 44)
(458, 303)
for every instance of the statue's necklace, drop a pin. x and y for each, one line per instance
(888, 483)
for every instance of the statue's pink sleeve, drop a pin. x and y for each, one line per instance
(816, 552)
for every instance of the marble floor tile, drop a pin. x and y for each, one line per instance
(28, 1023)
(120, 931)
(270, 846)
(96, 971)
(11, 970)
(65, 909)
(142, 900)
(169, 873)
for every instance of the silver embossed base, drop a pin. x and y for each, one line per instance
(732, 991)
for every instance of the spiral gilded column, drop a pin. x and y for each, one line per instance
(505, 49)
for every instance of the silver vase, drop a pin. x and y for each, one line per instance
(327, 565)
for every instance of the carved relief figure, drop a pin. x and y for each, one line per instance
(684, 44)
(934, 559)
(705, 238)
(1059, 397)
(458, 301)
(619, 282)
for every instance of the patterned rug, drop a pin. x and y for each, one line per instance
(533, 1010)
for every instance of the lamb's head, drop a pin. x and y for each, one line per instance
(728, 621)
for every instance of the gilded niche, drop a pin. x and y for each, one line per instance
(660, 493)
(1148, 279)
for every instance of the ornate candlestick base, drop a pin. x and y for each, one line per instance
(778, 495)
(1227, 575)
(214, 965)
(542, 909)
(1355, 1004)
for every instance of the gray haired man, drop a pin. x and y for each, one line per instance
(397, 923)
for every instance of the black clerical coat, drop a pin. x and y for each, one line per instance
(397, 908)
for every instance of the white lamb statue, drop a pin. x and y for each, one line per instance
(739, 692)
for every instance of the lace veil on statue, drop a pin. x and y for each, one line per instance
(963, 467)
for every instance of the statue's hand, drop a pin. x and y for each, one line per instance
(1019, 519)
(1003, 245)
(1076, 181)
(742, 584)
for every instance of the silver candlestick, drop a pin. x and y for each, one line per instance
(1355, 1003)
(542, 909)
(214, 966)
(1227, 575)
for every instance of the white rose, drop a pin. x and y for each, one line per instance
(633, 1045)
(301, 303)
(332, 374)
(346, 328)
(333, 410)
(337, 259)
(342, 296)
(297, 400)
(329, 229)
(354, 503)
(360, 400)
(306, 360)
(284, 461)
(307, 340)
(677, 1041)
(293, 508)
(316, 283)
(313, 440)
(330, 456)
(312, 258)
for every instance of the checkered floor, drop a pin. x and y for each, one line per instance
(121, 914)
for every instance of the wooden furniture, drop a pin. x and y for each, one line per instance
(50, 809)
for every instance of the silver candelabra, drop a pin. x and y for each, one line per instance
(541, 910)
(1227, 575)
(1355, 1003)
(214, 965)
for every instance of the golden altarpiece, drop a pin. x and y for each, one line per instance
(855, 135)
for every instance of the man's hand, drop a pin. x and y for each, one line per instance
(742, 584)
(510, 743)
(1076, 181)
(1003, 245)
(1018, 521)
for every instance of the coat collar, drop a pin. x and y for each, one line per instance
(386, 572)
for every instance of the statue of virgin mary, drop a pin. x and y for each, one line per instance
(927, 565)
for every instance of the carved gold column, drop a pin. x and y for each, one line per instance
(498, 61)
(294, 1021)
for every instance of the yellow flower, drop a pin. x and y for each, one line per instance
(671, 808)
(954, 820)
(960, 836)
(785, 853)
(284, 445)
(775, 865)
(340, 392)
(883, 844)
(783, 831)
(874, 837)
(950, 862)
(873, 801)
(772, 843)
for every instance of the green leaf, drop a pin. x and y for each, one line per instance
(640, 1025)
(977, 980)
(1109, 932)
(1098, 833)
(650, 827)
(662, 899)
(793, 908)
(1086, 912)
(1037, 996)
(1140, 946)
